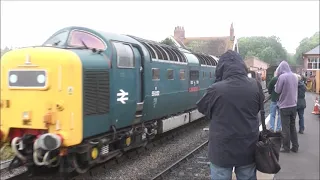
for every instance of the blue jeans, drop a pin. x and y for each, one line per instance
(301, 119)
(273, 110)
(247, 172)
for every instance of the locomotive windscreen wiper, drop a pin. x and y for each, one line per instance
(56, 43)
(93, 49)
(84, 44)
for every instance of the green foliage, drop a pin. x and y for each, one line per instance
(268, 49)
(291, 59)
(168, 41)
(306, 45)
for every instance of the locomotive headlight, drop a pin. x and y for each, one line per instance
(26, 115)
(41, 78)
(13, 78)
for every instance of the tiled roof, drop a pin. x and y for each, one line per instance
(315, 50)
(215, 46)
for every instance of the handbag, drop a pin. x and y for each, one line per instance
(267, 148)
(267, 152)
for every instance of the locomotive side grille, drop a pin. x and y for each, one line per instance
(96, 91)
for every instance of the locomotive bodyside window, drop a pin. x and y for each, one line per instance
(125, 58)
(194, 75)
(155, 74)
(82, 39)
(170, 74)
(182, 74)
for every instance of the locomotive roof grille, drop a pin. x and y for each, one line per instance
(205, 59)
(162, 51)
(171, 53)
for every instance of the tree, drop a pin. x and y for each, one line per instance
(306, 44)
(168, 41)
(268, 49)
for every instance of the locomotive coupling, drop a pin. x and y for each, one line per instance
(49, 141)
(44, 148)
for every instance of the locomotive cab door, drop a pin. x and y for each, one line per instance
(194, 82)
(127, 84)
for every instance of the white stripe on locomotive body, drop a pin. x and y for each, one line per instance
(195, 115)
(180, 120)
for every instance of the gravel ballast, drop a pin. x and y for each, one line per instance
(149, 163)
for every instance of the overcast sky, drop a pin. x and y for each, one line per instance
(32, 22)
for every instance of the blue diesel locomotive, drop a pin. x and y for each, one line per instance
(96, 95)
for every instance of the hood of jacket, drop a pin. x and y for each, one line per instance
(230, 64)
(283, 68)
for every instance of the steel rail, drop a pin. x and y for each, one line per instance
(5, 164)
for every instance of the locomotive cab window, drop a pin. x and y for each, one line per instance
(170, 74)
(155, 74)
(82, 39)
(58, 39)
(125, 57)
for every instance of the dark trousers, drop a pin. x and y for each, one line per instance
(301, 118)
(289, 131)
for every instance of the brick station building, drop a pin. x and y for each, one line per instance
(214, 46)
(311, 67)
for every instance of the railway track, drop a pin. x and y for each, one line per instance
(5, 164)
(132, 154)
(20, 171)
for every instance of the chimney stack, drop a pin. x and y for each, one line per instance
(179, 33)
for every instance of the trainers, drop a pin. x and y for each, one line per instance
(285, 151)
(294, 150)
(301, 131)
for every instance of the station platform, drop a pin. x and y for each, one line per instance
(303, 165)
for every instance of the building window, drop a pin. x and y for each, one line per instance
(313, 63)
(125, 56)
(155, 74)
(170, 74)
(182, 74)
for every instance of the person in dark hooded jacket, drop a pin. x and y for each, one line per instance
(301, 103)
(232, 103)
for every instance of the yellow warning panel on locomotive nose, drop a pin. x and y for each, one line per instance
(37, 80)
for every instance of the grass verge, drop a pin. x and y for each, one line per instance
(6, 153)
